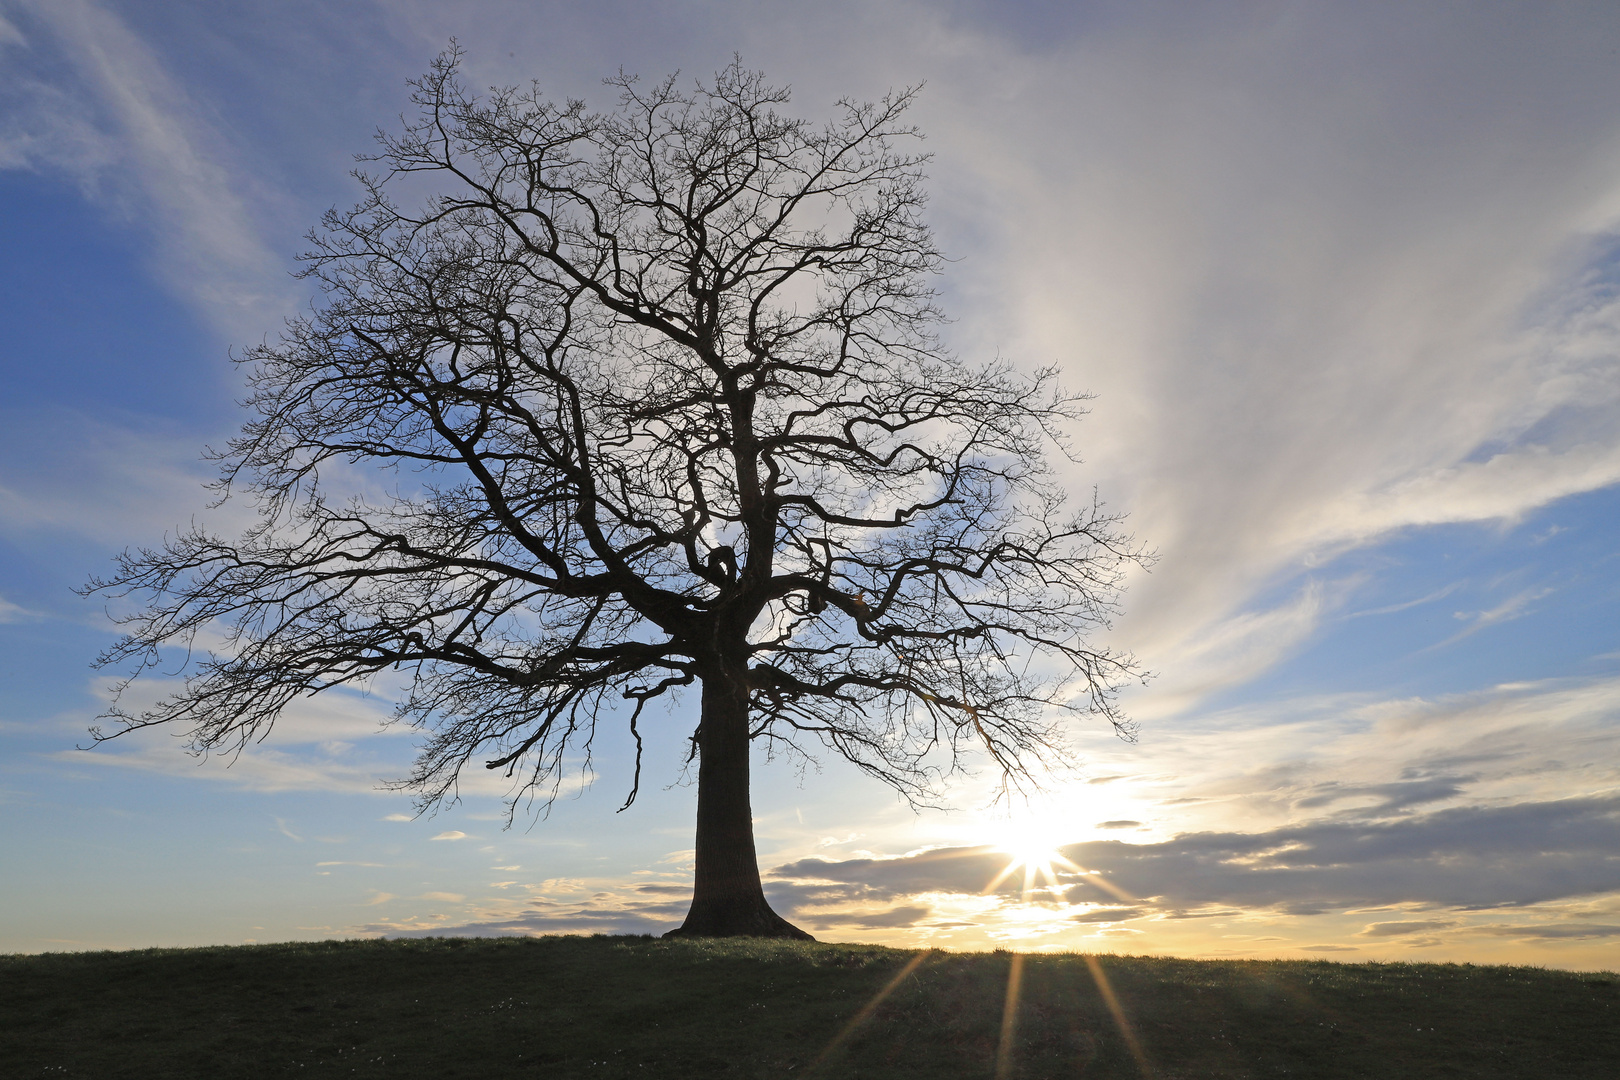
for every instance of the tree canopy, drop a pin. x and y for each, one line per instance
(664, 405)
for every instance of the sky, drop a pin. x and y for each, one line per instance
(1344, 279)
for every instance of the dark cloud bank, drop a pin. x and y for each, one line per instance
(1467, 858)
(1463, 859)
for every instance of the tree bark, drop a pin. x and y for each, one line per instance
(727, 899)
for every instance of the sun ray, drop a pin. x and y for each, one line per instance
(1009, 1017)
(999, 878)
(1095, 877)
(868, 1009)
(1125, 1030)
(1031, 868)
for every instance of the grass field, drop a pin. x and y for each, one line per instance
(642, 1007)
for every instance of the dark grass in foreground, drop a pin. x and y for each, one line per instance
(620, 1007)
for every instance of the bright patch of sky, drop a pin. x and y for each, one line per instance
(1343, 277)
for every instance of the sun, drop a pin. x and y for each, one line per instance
(1033, 837)
(1032, 845)
(1034, 842)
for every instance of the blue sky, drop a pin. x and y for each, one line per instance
(1343, 277)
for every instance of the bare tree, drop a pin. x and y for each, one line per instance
(667, 410)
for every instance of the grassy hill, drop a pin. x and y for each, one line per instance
(641, 1007)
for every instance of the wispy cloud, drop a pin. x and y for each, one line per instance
(1296, 355)
(258, 769)
(124, 119)
(106, 482)
(1514, 607)
(1544, 932)
(1411, 926)
(10, 613)
(46, 125)
(1234, 649)
(1407, 605)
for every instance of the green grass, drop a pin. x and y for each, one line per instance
(641, 1007)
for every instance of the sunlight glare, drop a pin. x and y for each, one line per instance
(1032, 839)
(1034, 844)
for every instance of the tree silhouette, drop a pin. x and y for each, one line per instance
(666, 410)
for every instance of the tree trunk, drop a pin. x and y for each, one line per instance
(727, 900)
